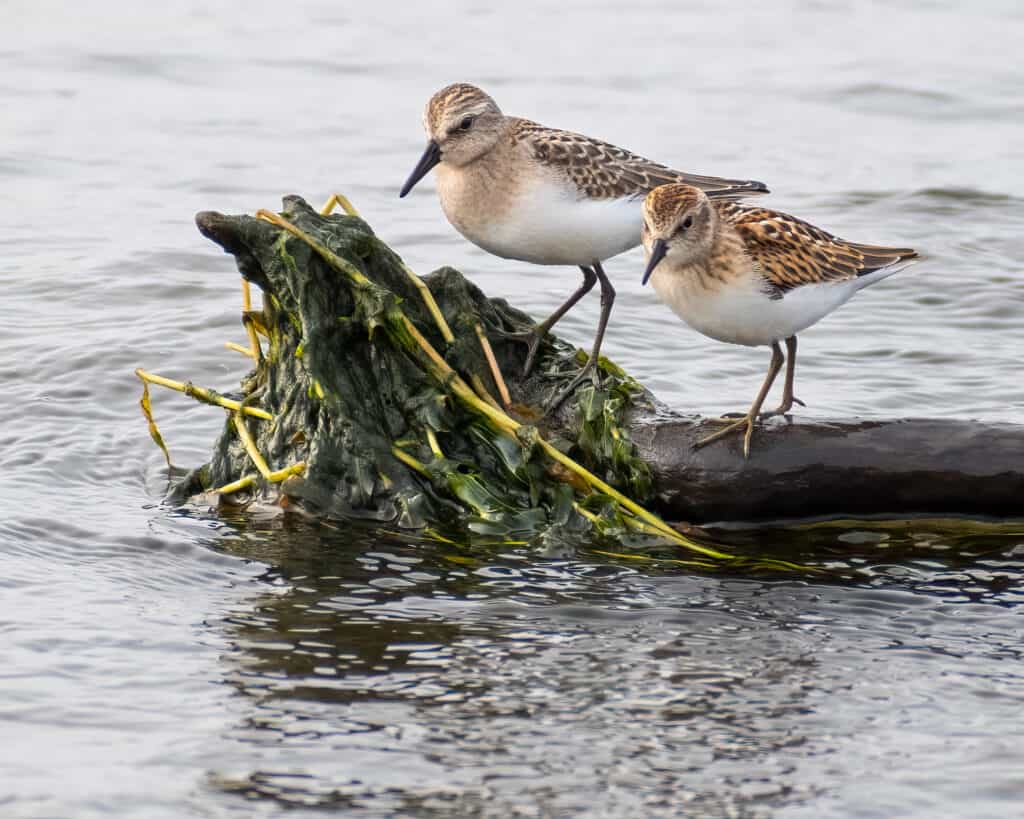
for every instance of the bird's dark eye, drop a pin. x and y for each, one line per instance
(466, 124)
(687, 222)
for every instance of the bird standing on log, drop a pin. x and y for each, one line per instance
(752, 276)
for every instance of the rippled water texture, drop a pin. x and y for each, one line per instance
(158, 664)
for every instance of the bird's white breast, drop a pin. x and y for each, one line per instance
(741, 312)
(542, 221)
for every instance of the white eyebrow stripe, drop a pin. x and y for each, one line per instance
(475, 111)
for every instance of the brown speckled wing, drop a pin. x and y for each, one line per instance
(600, 170)
(791, 252)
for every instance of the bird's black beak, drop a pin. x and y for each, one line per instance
(658, 251)
(431, 156)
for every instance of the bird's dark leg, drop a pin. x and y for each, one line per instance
(590, 368)
(537, 334)
(750, 418)
(788, 399)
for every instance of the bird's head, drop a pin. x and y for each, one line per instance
(462, 124)
(679, 224)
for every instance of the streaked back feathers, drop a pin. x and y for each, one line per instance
(598, 170)
(792, 252)
(787, 252)
(601, 170)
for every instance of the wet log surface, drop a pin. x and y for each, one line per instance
(813, 468)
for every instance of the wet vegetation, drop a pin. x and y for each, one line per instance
(379, 396)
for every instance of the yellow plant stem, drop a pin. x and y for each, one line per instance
(238, 348)
(281, 474)
(274, 477)
(435, 447)
(250, 446)
(154, 431)
(428, 299)
(481, 390)
(410, 461)
(454, 382)
(492, 362)
(586, 513)
(204, 395)
(631, 522)
(337, 200)
(236, 486)
(332, 259)
(697, 564)
(255, 350)
(640, 526)
(256, 318)
(652, 520)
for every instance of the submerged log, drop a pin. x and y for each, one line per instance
(354, 410)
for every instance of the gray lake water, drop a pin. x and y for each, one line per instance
(161, 664)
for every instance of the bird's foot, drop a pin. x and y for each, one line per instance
(523, 336)
(783, 408)
(747, 422)
(589, 369)
(533, 339)
(531, 353)
(724, 418)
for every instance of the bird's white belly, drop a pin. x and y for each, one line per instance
(740, 312)
(548, 225)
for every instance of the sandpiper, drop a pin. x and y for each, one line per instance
(522, 191)
(753, 276)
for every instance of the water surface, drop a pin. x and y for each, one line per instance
(160, 663)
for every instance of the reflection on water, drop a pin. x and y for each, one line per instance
(396, 676)
(161, 665)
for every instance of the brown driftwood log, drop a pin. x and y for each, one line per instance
(827, 468)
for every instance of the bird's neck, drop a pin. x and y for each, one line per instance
(479, 191)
